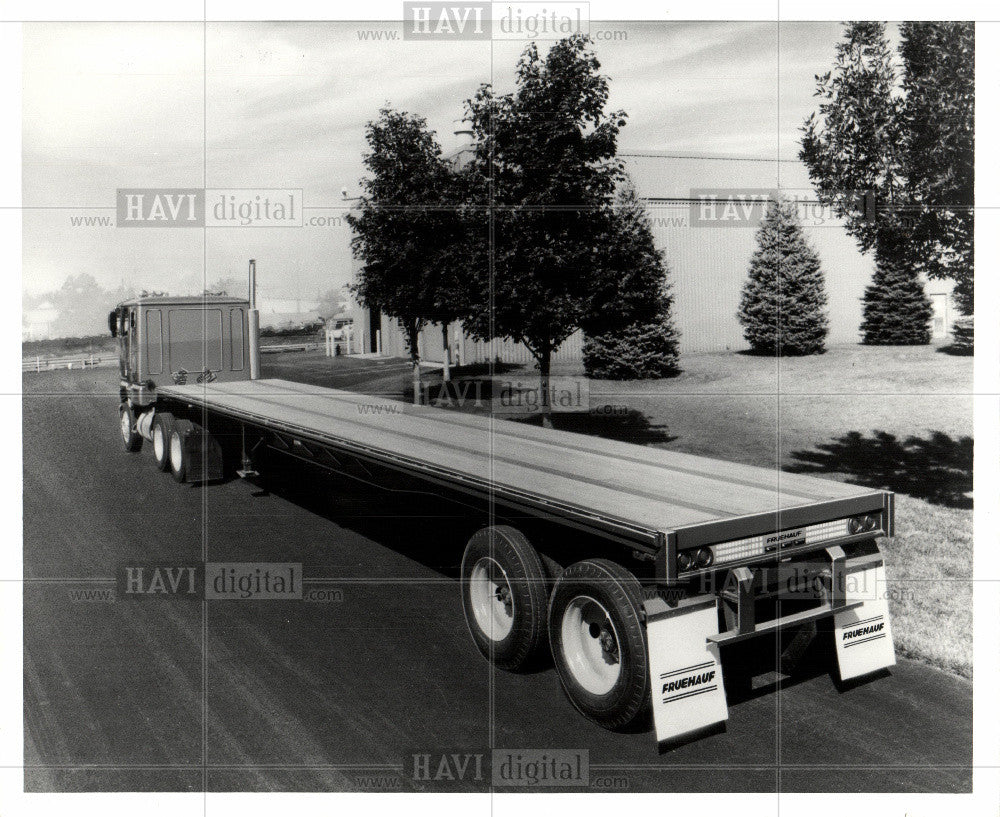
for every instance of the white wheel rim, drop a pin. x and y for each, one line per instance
(126, 425)
(158, 443)
(491, 599)
(590, 645)
(176, 452)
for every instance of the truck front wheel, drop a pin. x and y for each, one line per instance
(599, 641)
(131, 439)
(503, 595)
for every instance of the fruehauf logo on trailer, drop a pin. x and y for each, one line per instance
(498, 21)
(211, 207)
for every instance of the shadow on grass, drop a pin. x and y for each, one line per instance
(483, 369)
(956, 349)
(937, 468)
(631, 426)
(769, 352)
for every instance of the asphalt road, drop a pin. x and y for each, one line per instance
(179, 694)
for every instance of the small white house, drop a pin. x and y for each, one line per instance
(39, 323)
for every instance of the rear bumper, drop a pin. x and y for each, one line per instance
(814, 586)
(880, 503)
(684, 636)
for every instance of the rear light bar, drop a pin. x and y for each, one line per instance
(753, 547)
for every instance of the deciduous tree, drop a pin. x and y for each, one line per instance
(894, 157)
(399, 223)
(546, 170)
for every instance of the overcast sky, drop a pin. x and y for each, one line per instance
(284, 105)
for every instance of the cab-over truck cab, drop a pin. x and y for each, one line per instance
(175, 340)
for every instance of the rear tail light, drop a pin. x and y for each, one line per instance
(862, 524)
(791, 540)
(695, 559)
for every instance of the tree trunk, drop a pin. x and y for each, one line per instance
(544, 367)
(446, 372)
(414, 338)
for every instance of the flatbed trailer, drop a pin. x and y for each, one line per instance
(706, 553)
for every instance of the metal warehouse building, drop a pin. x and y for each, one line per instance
(708, 251)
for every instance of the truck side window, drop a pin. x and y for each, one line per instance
(154, 341)
(133, 346)
(236, 338)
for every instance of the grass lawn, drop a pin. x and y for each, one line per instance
(887, 417)
(897, 418)
(64, 347)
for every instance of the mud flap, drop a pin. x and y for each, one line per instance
(685, 670)
(863, 636)
(204, 455)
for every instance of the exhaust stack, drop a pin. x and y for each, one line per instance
(254, 324)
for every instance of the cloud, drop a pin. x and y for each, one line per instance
(285, 105)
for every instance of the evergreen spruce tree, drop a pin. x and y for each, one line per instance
(630, 333)
(640, 351)
(897, 311)
(783, 307)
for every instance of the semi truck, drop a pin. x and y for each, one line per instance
(636, 567)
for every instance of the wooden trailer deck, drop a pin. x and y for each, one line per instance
(649, 488)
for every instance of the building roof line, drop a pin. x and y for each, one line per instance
(646, 154)
(689, 200)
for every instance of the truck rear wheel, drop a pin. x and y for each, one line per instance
(131, 439)
(503, 596)
(178, 454)
(162, 426)
(599, 641)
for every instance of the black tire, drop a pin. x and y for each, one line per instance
(601, 655)
(163, 424)
(130, 436)
(515, 634)
(179, 459)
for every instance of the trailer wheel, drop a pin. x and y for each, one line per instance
(599, 641)
(503, 596)
(162, 426)
(131, 438)
(178, 454)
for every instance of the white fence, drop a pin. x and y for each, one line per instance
(46, 364)
(343, 345)
(278, 348)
